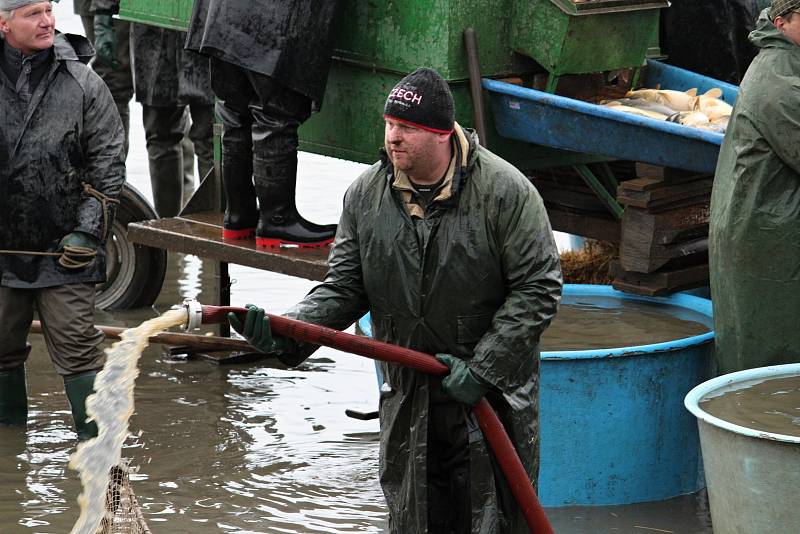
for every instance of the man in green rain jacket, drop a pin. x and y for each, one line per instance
(451, 250)
(755, 205)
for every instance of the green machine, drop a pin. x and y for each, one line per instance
(379, 41)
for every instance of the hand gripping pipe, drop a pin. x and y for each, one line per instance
(492, 428)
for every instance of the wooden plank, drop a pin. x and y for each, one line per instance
(591, 226)
(659, 283)
(664, 256)
(650, 241)
(664, 196)
(201, 234)
(666, 174)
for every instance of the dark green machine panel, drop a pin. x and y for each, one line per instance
(569, 38)
(401, 36)
(173, 14)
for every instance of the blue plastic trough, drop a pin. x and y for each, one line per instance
(613, 426)
(559, 122)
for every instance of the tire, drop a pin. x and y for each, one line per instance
(134, 273)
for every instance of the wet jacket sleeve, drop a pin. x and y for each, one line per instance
(102, 142)
(533, 279)
(340, 299)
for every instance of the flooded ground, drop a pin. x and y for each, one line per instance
(246, 448)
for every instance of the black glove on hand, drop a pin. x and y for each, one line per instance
(462, 384)
(105, 41)
(257, 332)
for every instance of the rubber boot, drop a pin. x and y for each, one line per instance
(164, 130)
(79, 387)
(166, 178)
(241, 214)
(279, 223)
(13, 397)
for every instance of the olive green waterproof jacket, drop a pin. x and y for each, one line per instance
(479, 278)
(755, 213)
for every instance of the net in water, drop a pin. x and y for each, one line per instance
(107, 502)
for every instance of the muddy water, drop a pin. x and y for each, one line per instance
(770, 406)
(584, 323)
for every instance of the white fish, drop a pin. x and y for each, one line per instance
(636, 111)
(696, 119)
(677, 100)
(714, 108)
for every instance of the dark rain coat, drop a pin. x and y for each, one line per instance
(71, 132)
(755, 213)
(164, 74)
(287, 40)
(478, 278)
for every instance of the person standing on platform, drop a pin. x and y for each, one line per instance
(111, 39)
(61, 170)
(450, 249)
(269, 67)
(755, 205)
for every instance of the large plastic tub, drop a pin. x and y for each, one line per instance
(753, 476)
(613, 427)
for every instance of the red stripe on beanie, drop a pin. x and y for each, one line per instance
(420, 126)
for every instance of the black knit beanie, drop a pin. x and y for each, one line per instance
(422, 99)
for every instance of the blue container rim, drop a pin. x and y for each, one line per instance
(681, 300)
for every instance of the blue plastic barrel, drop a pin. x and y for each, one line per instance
(613, 426)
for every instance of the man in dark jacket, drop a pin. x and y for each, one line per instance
(269, 67)
(61, 169)
(754, 232)
(451, 250)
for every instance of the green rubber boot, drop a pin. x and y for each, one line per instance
(78, 388)
(13, 397)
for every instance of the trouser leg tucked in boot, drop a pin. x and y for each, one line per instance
(235, 93)
(13, 397)
(78, 388)
(241, 215)
(279, 222)
(164, 127)
(275, 144)
(16, 314)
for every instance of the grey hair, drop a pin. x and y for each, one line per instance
(7, 15)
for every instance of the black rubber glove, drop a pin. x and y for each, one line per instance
(462, 384)
(78, 239)
(105, 40)
(257, 332)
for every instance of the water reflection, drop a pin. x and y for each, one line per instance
(244, 448)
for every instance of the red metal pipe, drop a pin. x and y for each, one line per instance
(490, 424)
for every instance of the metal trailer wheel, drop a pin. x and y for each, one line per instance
(134, 273)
